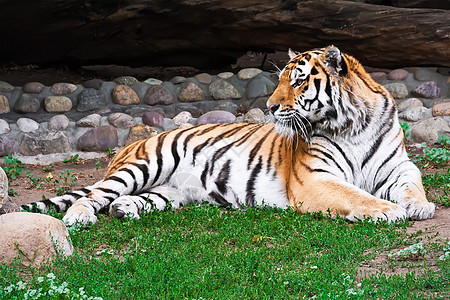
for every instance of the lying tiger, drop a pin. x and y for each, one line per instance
(335, 145)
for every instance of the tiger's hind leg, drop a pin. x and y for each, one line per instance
(60, 203)
(158, 198)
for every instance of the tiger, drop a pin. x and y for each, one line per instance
(335, 146)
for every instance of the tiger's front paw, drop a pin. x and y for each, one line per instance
(385, 211)
(124, 207)
(420, 210)
(79, 214)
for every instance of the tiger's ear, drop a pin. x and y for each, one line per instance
(334, 61)
(292, 53)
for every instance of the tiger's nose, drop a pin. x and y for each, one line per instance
(273, 108)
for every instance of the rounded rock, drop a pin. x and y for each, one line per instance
(90, 99)
(57, 104)
(254, 115)
(33, 87)
(27, 104)
(140, 132)
(260, 87)
(4, 104)
(126, 80)
(168, 124)
(158, 94)
(6, 145)
(44, 142)
(36, 238)
(398, 74)
(429, 89)
(152, 81)
(221, 90)
(58, 122)
(397, 90)
(4, 127)
(178, 79)
(92, 120)
(152, 118)
(182, 117)
(121, 120)
(413, 114)
(124, 95)
(6, 87)
(216, 117)
(248, 73)
(409, 103)
(429, 130)
(190, 92)
(204, 78)
(225, 75)
(378, 76)
(93, 84)
(441, 109)
(27, 125)
(99, 139)
(63, 88)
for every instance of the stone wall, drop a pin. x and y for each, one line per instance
(97, 115)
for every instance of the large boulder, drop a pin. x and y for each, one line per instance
(34, 238)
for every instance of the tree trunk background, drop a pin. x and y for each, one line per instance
(214, 33)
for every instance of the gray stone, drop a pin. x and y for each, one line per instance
(63, 88)
(34, 238)
(3, 187)
(158, 94)
(99, 139)
(254, 115)
(429, 130)
(216, 117)
(444, 71)
(225, 75)
(27, 125)
(190, 92)
(152, 81)
(124, 95)
(121, 120)
(140, 132)
(58, 123)
(378, 76)
(426, 74)
(413, 114)
(27, 104)
(6, 145)
(227, 106)
(126, 80)
(57, 104)
(239, 119)
(398, 74)
(259, 87)
(441, 108)
(221, 90)
(93, 84)
(248, 73)
(90, 99)
(195, 111)
(6, 87)
(44, 143)
(152, 118)
(33, 87)
(398, 90)
(168, 124)
(204, 78)
(92, 120)
(4, 127)
(429, 89)
(182, 117)
(178, 79)
(103, 111)
(409, 103)
(4, 104)
(139, 110)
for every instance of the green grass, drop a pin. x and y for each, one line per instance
(204, 252)
(437, 186)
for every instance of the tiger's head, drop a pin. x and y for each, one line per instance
(323, 90)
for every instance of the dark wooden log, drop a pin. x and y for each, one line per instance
(213, 33)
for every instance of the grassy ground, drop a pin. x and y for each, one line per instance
(203, 252)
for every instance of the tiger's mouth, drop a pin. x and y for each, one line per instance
(292, 125)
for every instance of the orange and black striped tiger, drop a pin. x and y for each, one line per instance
(335, 145)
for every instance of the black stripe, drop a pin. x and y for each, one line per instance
(144, 169)
(243, 139)
(327, 155)
(108, 191)
(250, 196)
(199, 148)
(314, 71)
(159, 158)
(85, 190)
(74, 195)
(228, 133)
(132, 176)
(376, 145)
(204, 174)
(328, 87)
(219, 199)
(317, 85)
(160, 196)
(386, 160)
(335, 145)
(256, 148)
(269, 161)
(222, 179)
(141, 152)
(49, 203)
(311, 170)
(118, 179)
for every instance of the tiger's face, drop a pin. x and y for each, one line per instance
(305, 98)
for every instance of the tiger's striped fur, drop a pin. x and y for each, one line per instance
(336, 145)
